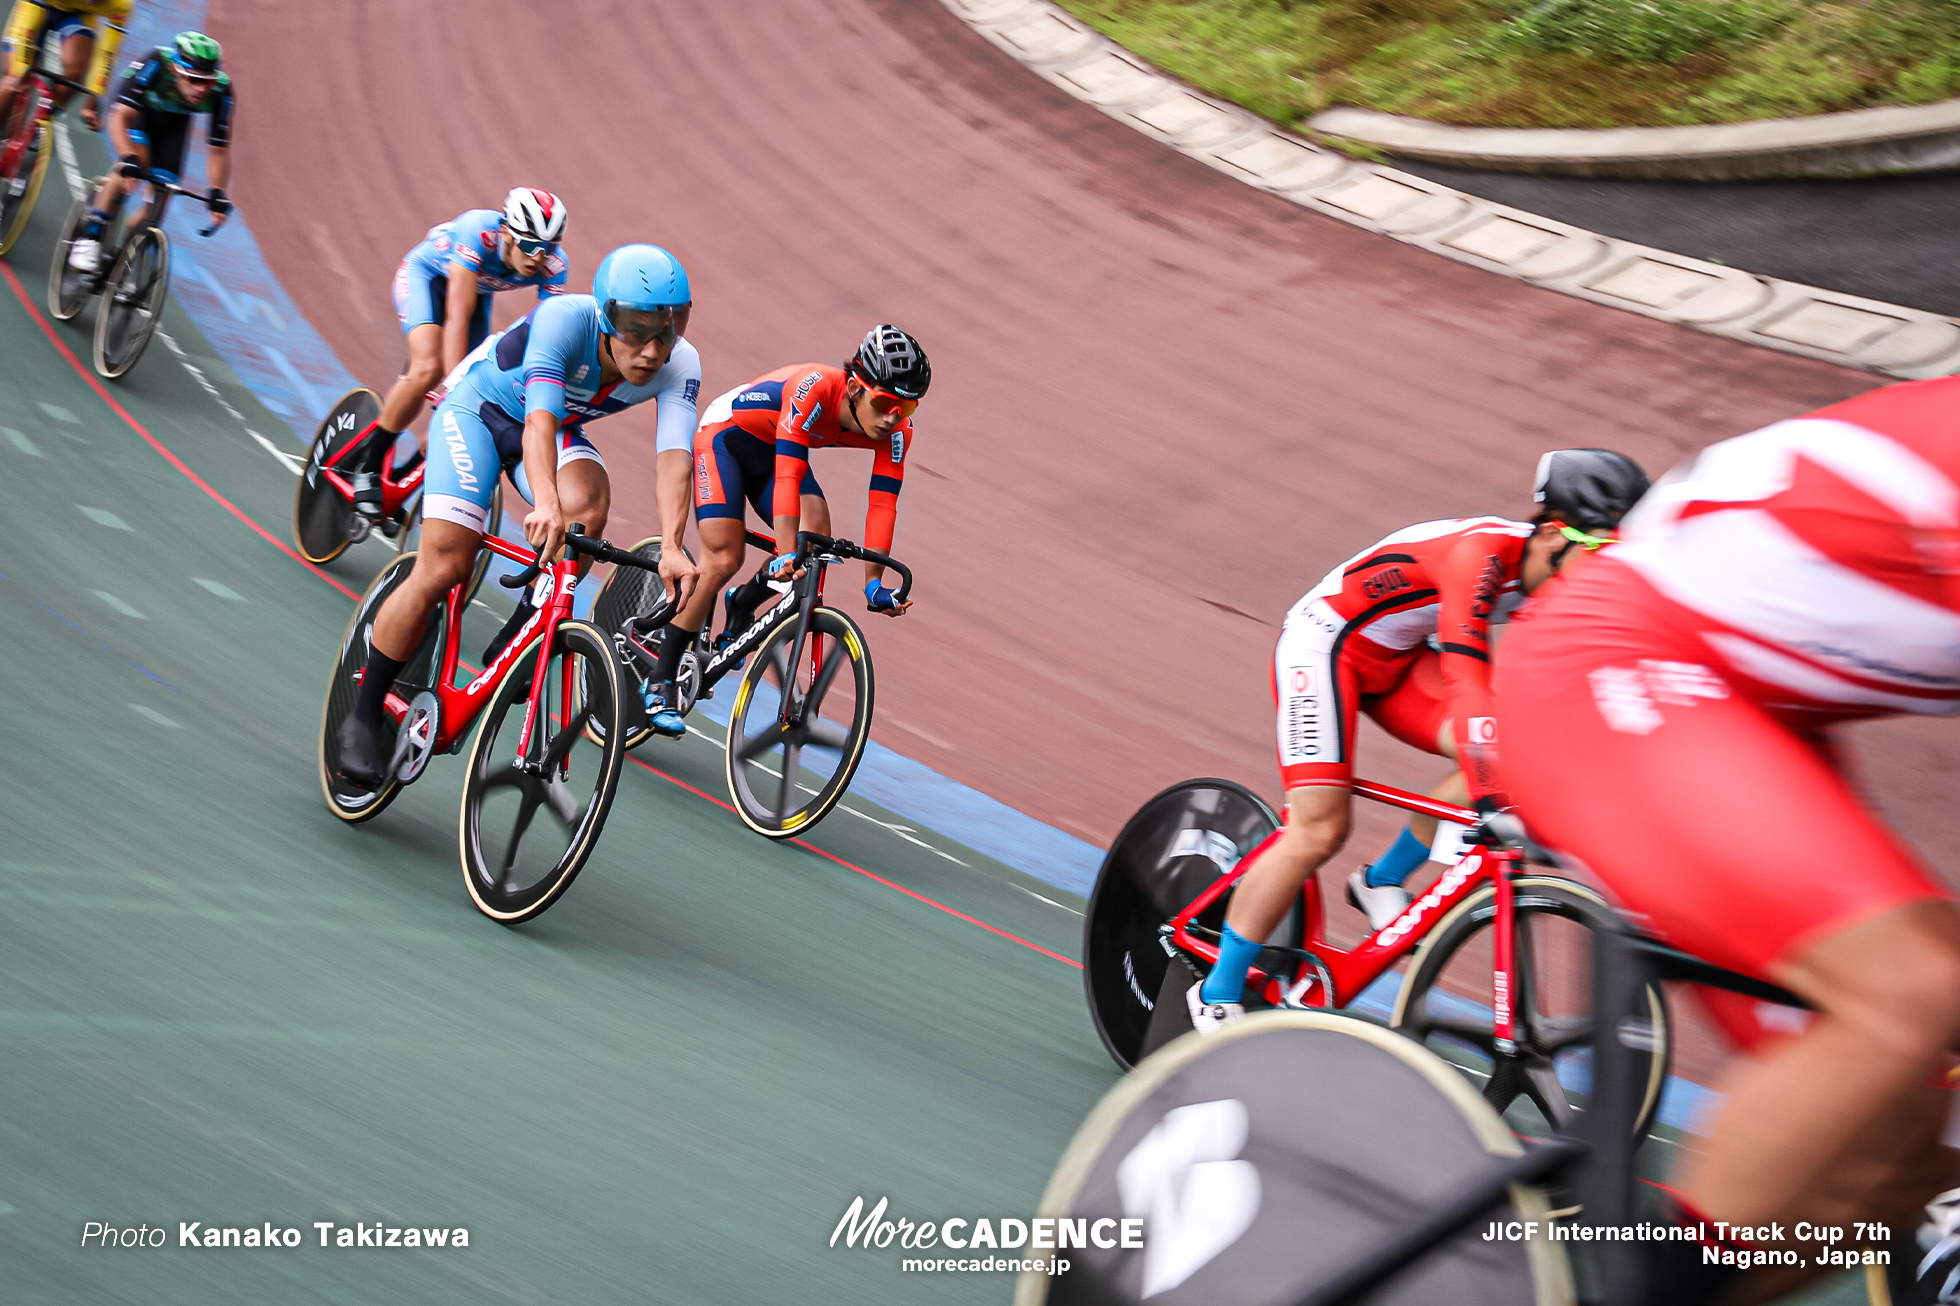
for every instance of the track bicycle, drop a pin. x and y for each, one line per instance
(324, 521)
(1314, 1158)
(1496, 980)
(799, 724)
(532, 752)
(134, 271)
(28, 143)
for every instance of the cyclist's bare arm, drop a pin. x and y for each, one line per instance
(545, 526)
(461, 312)
(673, 495)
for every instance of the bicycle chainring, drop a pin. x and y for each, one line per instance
(687, 681)
(415, 740)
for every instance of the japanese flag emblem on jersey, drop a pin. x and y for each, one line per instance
(1482, 729)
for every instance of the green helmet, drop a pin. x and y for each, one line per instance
(197, 54)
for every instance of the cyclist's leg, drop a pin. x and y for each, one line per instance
(77, 48)
(462, 477)
(22, 41)
(421, 302)
(1729, 833)
(1417, 712)
(1318, 693)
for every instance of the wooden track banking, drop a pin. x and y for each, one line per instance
(1165, 403)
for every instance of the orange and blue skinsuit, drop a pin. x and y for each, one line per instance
(755, 441)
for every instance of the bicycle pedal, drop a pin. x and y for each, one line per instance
(358, 528)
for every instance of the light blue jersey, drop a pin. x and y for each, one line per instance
(473, 240)
(549, 362)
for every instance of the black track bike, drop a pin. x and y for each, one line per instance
(132, 274)
(802, 710)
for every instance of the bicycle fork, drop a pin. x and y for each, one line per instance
(1504, 949)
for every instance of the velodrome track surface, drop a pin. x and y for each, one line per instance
(1164, 403)
(220, 1005)
(223, 1006)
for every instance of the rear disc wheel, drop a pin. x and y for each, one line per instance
(347, 800)
(323, 517)
(1171, 851)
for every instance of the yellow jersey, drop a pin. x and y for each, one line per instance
(104, 19)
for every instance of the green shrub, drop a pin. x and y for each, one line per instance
(1642, 31)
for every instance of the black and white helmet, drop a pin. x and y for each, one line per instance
(890, 359)
(1588, 489)
(534, 215)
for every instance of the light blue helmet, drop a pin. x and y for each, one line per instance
(645, 278)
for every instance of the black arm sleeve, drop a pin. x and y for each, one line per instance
(221, 116)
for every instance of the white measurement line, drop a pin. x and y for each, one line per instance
(902, 831)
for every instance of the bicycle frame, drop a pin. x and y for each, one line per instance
(17, 146)
(394, 492)
(457, 708)
(820, 552)
(1336, 976)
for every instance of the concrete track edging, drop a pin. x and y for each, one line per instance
(1826, 325)
(1860, 143)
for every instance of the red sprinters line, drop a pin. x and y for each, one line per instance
(869, 875)
(151, 440)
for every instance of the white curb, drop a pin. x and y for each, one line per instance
(1758, 310)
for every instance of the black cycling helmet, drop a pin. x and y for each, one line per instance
(1588, 489)
(890, 359)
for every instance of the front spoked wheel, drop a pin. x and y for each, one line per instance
(533, 809)
(132, 302)
(1539, 1084)
(20, 190)
(788, 765)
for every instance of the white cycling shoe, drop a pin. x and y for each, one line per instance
(1380, 903)
(1210, 1017)
(85, 255)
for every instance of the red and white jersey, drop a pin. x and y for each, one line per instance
(1451, 579)
(1825, 549)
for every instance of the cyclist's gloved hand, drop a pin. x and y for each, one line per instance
(219, 203)
(130, 166)
(878, 598)
(781, 566)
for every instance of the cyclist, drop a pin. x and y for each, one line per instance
(754, 444)
(90, 31)
(520, 407)
(442, 296)
(149, 125)
(1401, 631)
(1668, 722)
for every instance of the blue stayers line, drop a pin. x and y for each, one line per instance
(230, 292)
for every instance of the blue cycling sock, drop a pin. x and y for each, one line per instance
(1403, 856)
(1226, 983)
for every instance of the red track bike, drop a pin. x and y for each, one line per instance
(1499, 957)
(533, 753)
(324, 520)
(27, 147)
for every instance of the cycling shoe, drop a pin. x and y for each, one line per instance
(665, 720)
(1210, 1017)
(364, 753)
